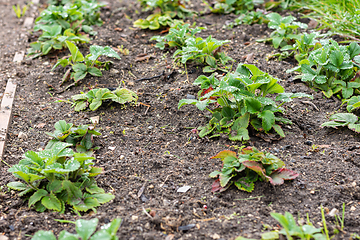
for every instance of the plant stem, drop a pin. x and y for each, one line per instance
(324, 223)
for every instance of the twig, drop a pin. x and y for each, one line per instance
(161, 185)
(147, 213)
(149, 78)
(146, 110)
(242, 199)
(312, 104)
(141, 191)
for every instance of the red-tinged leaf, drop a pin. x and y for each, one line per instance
(216, 187)
(247, 150)
(205, 91)
(256, 167)
(278, 176)
(224, 154)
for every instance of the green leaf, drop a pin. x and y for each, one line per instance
(81, 105)
(65, 235)
(224, 179)
(55, 186)
(336, 58)
(44, 235)
(253, 105)
(269, 236)
(244, 184)
(85, 228)
(37, 196)
(241, 122)
(279, 130)
(103, 197)
(344, 117)
(96, 103)
(95, 171)
(242, 134)
(214, 174)
(88, 203)
(122, 96)
(75, 53)
(354, 127)
(268, 119)
(112, 227)
(19, 186)
(354, 50)
(223, 154)
(211, 61)
(73, 192)
(94, 189)
(101, 234)
(72, 165)
(51, 202)
(94, 71)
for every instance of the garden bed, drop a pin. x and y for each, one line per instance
(150, 147)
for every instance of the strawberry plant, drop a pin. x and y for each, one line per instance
(205, 51)
(333, 69)
(342, 120)
(286, 30)
(52, 38)
(81, 65)
(236, 6)
(249, 166)
(177, 36)
(240, 101)
(302, 46)
(85, 230)
(165, 12)
(57, 177)
(95, 97)
(81, 137)
(249, 18)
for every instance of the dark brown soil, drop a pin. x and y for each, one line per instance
(154, 147)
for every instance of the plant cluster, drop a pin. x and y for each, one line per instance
(332, 68)
(81, 137)
(59, 176)
(286, 30)
(70, 21)
(85, 230)
(165, 12)
(235, 6)
(249, 166)
(95, 97)
(302, 47)
(191, 48)
(241, 100)
(81, 66)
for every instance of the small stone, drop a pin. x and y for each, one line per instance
(150, 127)
(22, 135)
(147, 225)
(183, 189)
(95, 120)
(46, 63)
(312, 192)
(114, 71)
(308, 142)
(333, 212)
(151, 186)
(134, 218)
(42, 144)
(189, 96)
(353, 184)
(112, 148)
(216, 236)
(3, 237)
(130, 83)
(353, 208)
(122, 157)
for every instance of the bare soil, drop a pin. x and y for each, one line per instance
(155, 148)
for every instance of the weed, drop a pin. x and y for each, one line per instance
(342, 120)
(236, 6)
(18, 11)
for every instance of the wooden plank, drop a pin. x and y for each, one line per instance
(5, 114)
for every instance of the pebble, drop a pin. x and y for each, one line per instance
(147, 225)
(114, 71)
(183, 189)
(333, 212)
(189, 96)
(42, 144)
(150, 127)
(122, 157)
(46, 63)
(134, 218)
(308, 142)
(22, 135)
(3, 237)
(353, 184)
(216, 236)
(353, 208)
